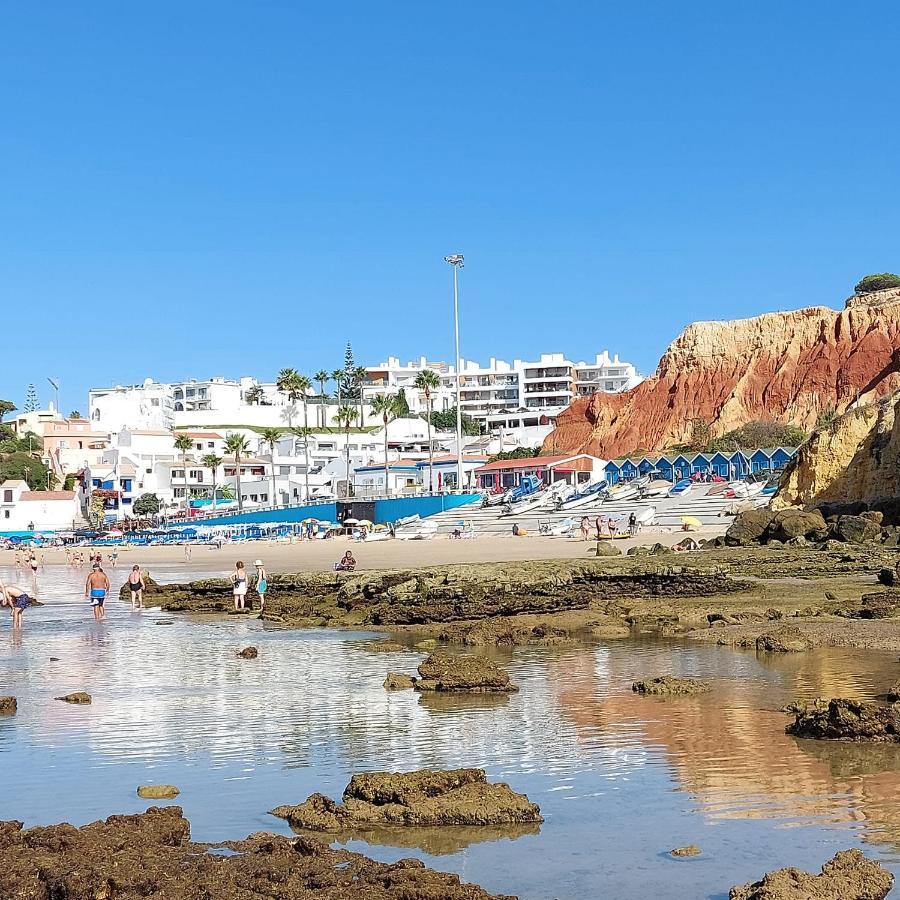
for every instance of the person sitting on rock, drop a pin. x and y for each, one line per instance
(347, 563)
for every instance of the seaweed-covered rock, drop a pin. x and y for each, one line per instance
(783, 640)
(847, 876)
(503, 632)
(76, 697)
(893, 693)
(8, 706)
(423, 798)
(151, 855)
(877, 605)
(848, 720)
(384, 646)
(249, 653)
(158, 791)
(689, 850)
(669, 685)
(856, 529)
(471, 674)
(605, 548)
(396, 681)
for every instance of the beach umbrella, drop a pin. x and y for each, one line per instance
(309, 522)
(114, 532)
(691, 521)
(351, 521)
(365, 523)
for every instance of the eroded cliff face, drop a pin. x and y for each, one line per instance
(855, 458)
(787, 367)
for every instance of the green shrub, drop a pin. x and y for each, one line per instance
(872, 283)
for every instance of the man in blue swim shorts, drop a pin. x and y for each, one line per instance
(17, 601)
(95, 589)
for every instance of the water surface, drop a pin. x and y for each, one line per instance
(620, 779)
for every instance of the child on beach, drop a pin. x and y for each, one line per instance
(262, 583)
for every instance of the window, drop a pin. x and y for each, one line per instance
(95, 415)
(178, 473)
(63, 445)
(154, 401)
(5, 513)
(81, 445)
(7, 496)
(211, 444)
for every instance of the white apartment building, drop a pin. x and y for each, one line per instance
(605, 374)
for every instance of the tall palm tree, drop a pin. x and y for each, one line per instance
(345, 417)
(305, 433)
(429, 381)
(272, 436)
(211, 461)
(322, 377)
(183, 443)
(239, 446)
(359, 376)
(304, 385)
(286, 382)
(386, 406)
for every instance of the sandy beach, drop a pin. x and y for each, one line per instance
(319, 555)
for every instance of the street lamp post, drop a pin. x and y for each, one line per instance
(457, 261)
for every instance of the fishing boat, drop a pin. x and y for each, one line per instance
(592, 491)
(417, 531)
(744, 490)
(627, 490)
(656, 487)
(681, 488)
(565, 528)
(538, 500)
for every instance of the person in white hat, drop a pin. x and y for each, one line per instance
(262, 583)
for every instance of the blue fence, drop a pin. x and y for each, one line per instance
(387, 510)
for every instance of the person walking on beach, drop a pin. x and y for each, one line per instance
(239, 585)
(632, 524)
(96, 587)
(613, 527)
(17, 601)
(136, 586)
(262, 583)
(585, 528)
(599, 524)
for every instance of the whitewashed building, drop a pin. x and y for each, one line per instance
(22, 509)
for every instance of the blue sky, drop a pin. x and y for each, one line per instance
(204, 188)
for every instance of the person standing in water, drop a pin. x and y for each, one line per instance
(239, 585)
(95, 589)
(262, 583)
(136, 586)
(17, 601)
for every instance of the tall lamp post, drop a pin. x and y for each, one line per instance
(457, 261)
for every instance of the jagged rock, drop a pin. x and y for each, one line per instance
(249, 653)
(849, 720)
(158, 791)
(659, 549)
(878, 605)
(773, 615)
(151, 855)
(8, 706)
(76, 697)
(503, 632)
(689, 850)
(856, 529)
(638, 551)
(471, 674)
(669, 685)
(749, 527)
(605, 548)
(893, 693)
(831, 545)
(784, 640)
(791, 524)
(423, 798)
(384, 646)
(396, 681)
(887, 577)
(847, 876)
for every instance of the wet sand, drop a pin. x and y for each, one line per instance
(320, 555)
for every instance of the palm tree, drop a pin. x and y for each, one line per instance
(359, 376)
(428, 381)
(386, 406)
(322, 377)
(344, 417)
(287, 384)
(337, 376)
(183, 443)
(305, 433)
(272, 436)
(254, 394)
(239, 446)
(211, 461)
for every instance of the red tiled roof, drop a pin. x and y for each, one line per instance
(467, 457)
(202, 434)
(47, 495)
(530, 462)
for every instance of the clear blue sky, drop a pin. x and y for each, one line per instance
(207, 188)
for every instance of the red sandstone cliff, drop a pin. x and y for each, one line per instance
(787, 367)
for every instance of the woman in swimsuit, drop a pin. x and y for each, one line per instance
(239, 585)
(136, 586)
(262, 583)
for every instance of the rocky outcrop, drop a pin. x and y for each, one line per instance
(157, 791)
(799, 527)
(151, 855)
(8, 706)
(783, 640)
(670, 686)
(396, 681)
(466, 674)
(76, 697)
(787, 366)
(848, 720)
(847, 876)
(504, 632)
(878, 605)
(422, 799)
(248, 653)
(689, 850)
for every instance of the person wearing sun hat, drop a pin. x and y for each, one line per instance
(262, 583)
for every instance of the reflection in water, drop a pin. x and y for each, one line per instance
(174, 704)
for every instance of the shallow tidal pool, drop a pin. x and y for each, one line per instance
(620, 779)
